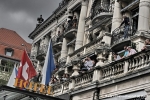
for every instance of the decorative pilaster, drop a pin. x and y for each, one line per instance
(46, 41)
(117, 17)
(81, 25)
(64, 49)
(144, 16)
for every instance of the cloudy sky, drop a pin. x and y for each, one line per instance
(21, 15)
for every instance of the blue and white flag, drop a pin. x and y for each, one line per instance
(49, 65)
(12, 77)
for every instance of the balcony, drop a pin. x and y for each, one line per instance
(70, 31)
(118, 40)
(101, 11)
(42, 52)
(57, 41)
(117, 71)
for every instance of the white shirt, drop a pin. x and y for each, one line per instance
(132, 51)
(88, 64)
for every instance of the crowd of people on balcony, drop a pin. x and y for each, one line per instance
(88, 63)
(128, 50)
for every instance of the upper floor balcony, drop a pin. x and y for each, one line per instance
(71, 29)
(101, 10)
(119, 37)
(57, 41)
(42, 52)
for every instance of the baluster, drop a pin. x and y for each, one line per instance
(133, 64)
(140, 61)
(113, 70)
(142, 64)
(145, 61)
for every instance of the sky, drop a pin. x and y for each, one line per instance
(21, 15)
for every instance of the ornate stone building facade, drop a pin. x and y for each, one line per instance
(81, 28)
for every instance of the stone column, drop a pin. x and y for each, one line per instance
(64, 49)
(85, 35)
(81, 25)
(144, 15)
(117, 17)
(70, 50)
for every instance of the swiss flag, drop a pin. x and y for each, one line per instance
(26, 70)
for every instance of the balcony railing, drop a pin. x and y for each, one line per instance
(57, 39)
(71, 28)
(101, 8)
(61, 88)
(131, 64)
(84, 79)
(118, 35)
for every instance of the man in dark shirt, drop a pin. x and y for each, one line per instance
(127, 25)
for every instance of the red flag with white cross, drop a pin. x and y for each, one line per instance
(26, 70)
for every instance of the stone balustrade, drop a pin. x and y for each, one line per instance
(61, 88)
(107, 71)
(112, 69)
(83, 80)
(57, 88)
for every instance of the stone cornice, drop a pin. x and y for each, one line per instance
(48, 21)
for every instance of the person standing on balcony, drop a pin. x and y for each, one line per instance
(87, 64)
(58, 37)
(126, 52)
(131, 51)
(147, 44)
(116, 56)
(125, 21)
(74, 21)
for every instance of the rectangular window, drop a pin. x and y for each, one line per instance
(9, 53)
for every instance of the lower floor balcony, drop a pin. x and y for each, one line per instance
(108, 74)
